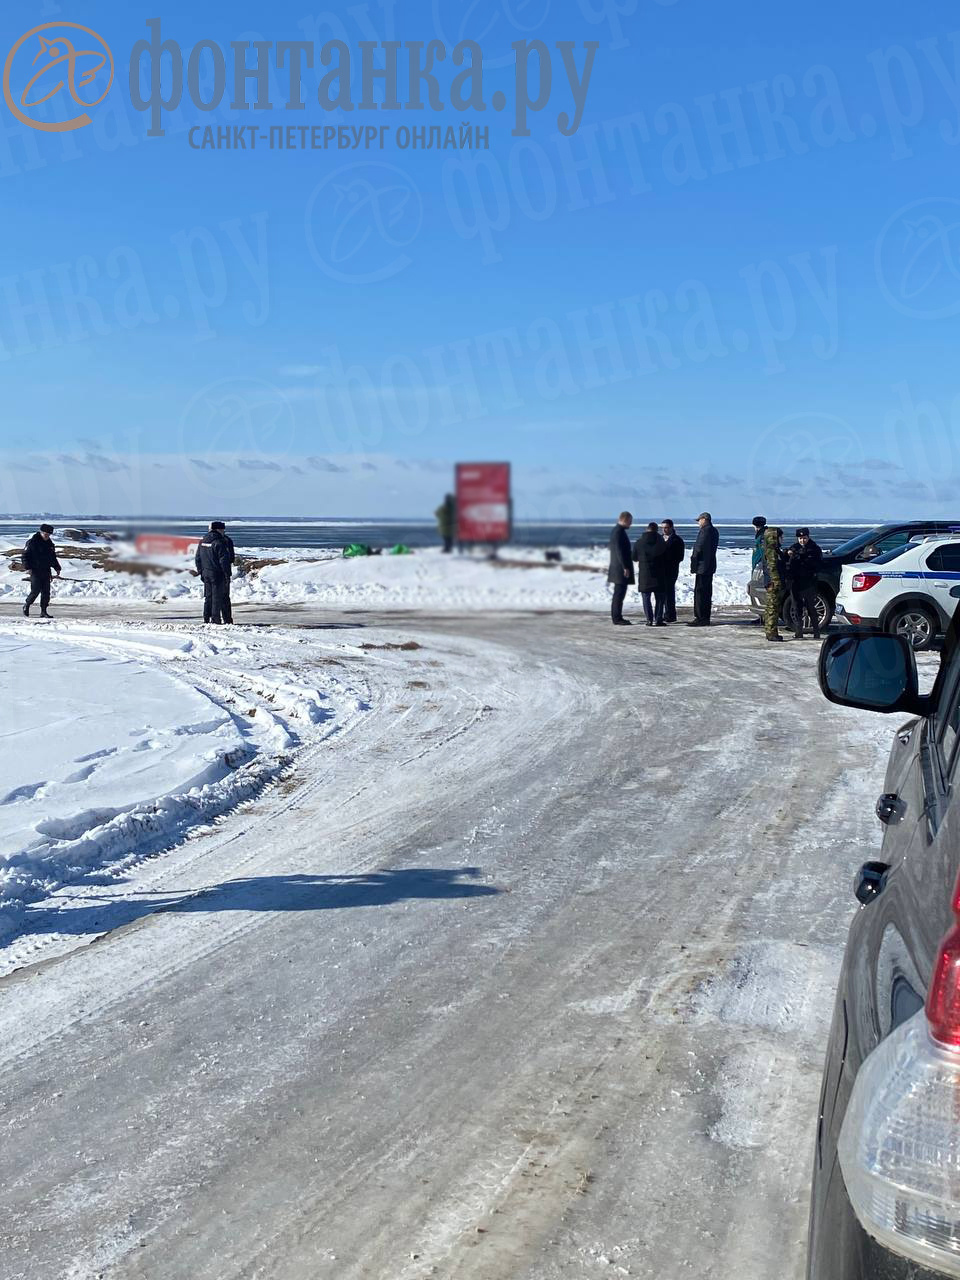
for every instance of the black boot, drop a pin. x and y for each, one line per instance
(26, 611)
(44, 614)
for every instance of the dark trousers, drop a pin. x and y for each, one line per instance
(702, 596)
(670, 601)
(805, 598)
(616, 604)
(448, 544)
(653, 603)
(39, 586)
(216, 600)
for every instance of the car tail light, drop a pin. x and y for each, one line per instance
(899, 1146)
(864, 581)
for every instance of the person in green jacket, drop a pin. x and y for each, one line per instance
(759, 526)
(773, 580)
(446, 515)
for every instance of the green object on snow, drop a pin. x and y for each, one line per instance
(356, 549)
(400, 550)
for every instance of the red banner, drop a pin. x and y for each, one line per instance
(164, 544)
(484, 508)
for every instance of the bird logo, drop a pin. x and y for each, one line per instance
(70, 69)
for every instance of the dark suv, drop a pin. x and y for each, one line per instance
(865, 546)
(886, 1185)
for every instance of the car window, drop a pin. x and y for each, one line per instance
(892, 555)
(945, 559)
(848, 548)
(892, 542)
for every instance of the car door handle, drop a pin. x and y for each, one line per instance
(869, 881)
(890, 808)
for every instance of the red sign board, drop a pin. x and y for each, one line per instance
(484, 508)
(164, 544)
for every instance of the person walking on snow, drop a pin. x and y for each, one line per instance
(803, 561)
(214, 563)
(648, 551)
(40, 561)
(703, 564)
(773, 580)
(620, 572)
(674, 549)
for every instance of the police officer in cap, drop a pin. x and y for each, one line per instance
(803, 564)
(214, 563)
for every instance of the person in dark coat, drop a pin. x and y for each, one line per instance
(214, 562)
(446, 515)
(674, 549)
(703, 564)
(651, 575)
(620, 572)
(40, 561)
(803, 563)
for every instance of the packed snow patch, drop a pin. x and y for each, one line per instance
(772, 986)
(119, 741)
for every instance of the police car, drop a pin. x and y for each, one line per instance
(912, 591)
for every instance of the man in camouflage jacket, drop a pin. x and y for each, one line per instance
(773, 580)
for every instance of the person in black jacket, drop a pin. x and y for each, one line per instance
(674, 549)
(214, 562)
(620, 572)
(703, 563)
(803, 562)
(648, 552)
(40, 561)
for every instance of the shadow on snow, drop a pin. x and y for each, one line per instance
(261, 893)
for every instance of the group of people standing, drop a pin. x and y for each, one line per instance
(658, 554)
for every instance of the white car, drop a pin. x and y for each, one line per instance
(912, 591)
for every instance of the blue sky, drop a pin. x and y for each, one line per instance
(657, 312)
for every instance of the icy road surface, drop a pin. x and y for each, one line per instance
(524, 975)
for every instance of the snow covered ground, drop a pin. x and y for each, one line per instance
(426, 579)
(118, 741)
(473, 988)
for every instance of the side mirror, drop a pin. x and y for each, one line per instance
(871, 670)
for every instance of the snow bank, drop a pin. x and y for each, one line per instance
(118, 741)
(424, 580)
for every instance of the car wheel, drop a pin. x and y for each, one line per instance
(915, 623)
(824, 611)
